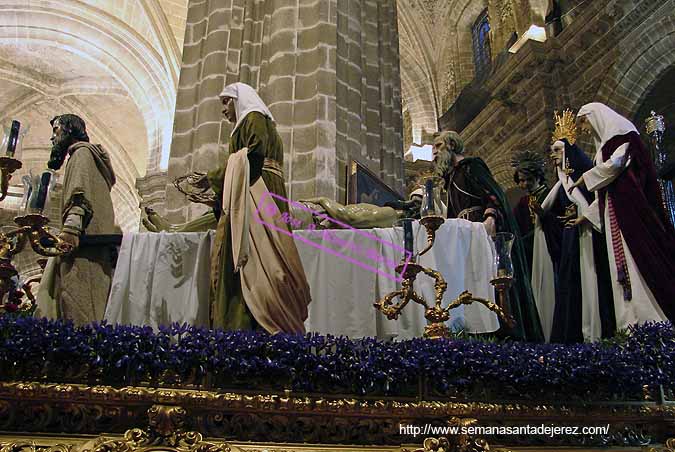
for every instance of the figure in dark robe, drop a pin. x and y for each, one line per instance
(474, 195)
(640, 239)
(570, 276)
(530, 176)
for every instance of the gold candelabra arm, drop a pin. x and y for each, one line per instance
(27, 288)
(7, 166)
(431, 224)
(406, 293)
(41, 240)
(388, 308)
(440, 286)
(56, 247)
(467, 298)
(13, 242)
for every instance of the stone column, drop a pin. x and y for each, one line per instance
(328, 70)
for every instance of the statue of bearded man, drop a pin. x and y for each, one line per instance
(76, 286)
(474, 195)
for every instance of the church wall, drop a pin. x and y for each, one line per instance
(327, 71)
(612, 52)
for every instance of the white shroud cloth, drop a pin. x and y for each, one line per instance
(164, 278)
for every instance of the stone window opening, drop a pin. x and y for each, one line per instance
(482, 54)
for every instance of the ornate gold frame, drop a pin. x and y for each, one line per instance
(90, 410)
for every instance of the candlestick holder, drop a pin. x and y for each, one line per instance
(431, 224)
(11, 143)
(435, 314)
(32, 230)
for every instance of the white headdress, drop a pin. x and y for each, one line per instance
(246, 101)
(606, 122)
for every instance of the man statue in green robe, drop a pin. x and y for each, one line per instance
(474, 195)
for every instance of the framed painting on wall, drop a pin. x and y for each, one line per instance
(363, 186)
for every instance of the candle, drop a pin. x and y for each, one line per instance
(429, 187)
(408, 237)
(38, 198)
(13, 138)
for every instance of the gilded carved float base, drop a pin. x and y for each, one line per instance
(184, 420)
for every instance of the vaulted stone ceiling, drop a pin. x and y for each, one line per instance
(436, 56)
(115, 63)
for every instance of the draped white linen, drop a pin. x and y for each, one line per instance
(163, 278)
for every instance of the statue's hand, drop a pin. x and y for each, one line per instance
(579, 183)
(317, 201)
(576, 221)
(199, 180)
(155, 222)
(490, 226)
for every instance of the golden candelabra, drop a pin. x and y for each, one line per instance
(436, 314)
(32, 229)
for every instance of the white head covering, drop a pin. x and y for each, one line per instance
(559, 166)
(606, 122)
(246, 100)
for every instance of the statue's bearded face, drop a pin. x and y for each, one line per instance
(61, 141)
(442, 157)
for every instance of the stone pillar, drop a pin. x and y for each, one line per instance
(328, 70)
(369, 118)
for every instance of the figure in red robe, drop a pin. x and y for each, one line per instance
(628, 204)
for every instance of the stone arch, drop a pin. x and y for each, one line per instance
(111, 44)
(470, 11)
(456, 56)
(416, 90)
(640, 65)
(417, 81)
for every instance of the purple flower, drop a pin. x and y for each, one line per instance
(55, 351)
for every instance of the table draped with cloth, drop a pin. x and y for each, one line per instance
(163, 278)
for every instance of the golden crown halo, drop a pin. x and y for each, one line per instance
(565, 127)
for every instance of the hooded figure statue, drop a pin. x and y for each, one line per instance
(76, 285)
(257, 277)
(628, 205)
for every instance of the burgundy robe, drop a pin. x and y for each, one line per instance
(642, 220)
